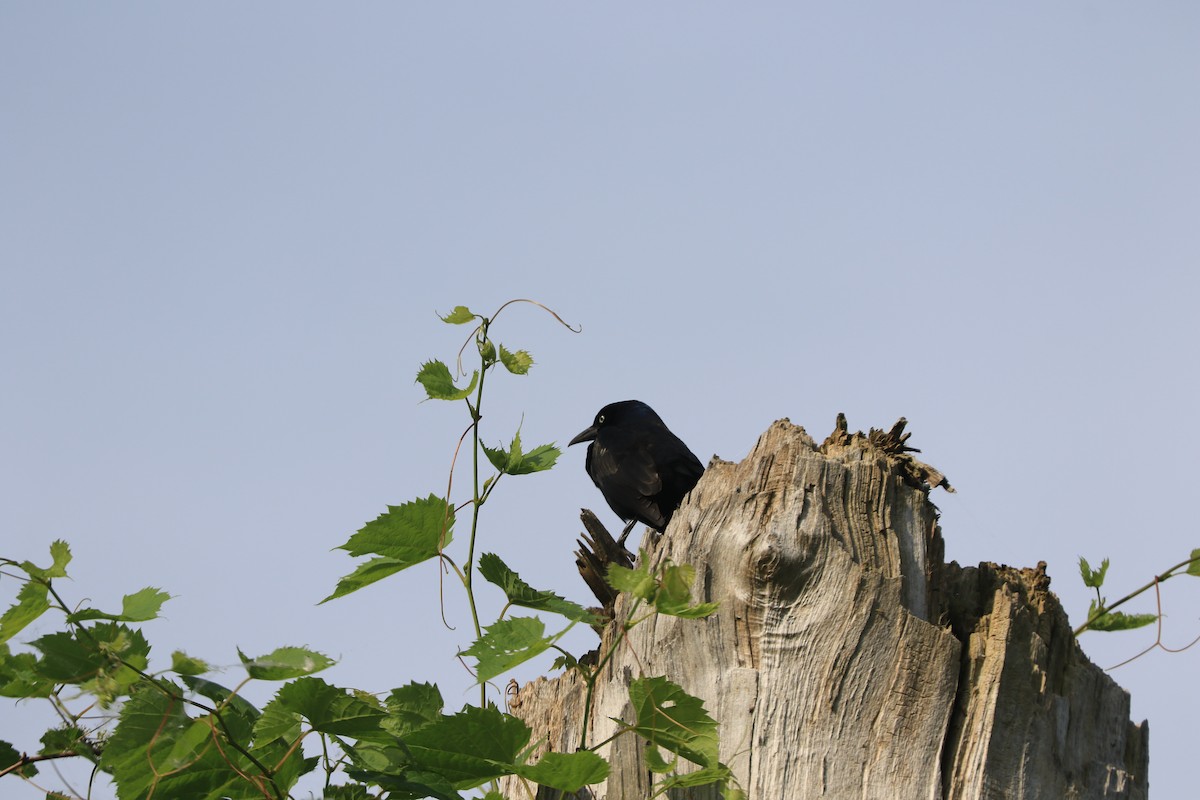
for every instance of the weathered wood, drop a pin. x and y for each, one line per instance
(846, 659)
(597, 550)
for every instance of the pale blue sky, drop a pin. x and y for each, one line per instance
(225, 230)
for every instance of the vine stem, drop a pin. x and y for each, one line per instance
(469, 566)
(593, 675)
(1157, 579)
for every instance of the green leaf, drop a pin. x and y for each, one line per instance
(331, 710)
(143, 605)
(675, 594)
(539, 459)
(1118, 620)
(412, 706)
(470, 747)
(701, 777)
(638, 582)
(140, 606)
(60, 554)
(239, 714)
(365, 574)
(70, 739)
(31, 604)
(439, 385)
(508, 643)
(1093, 579)
(19, 676)
(1194, 567)
(66, 659)
(184, 664)
(285, 663)
(514, 461)
(671, 718)
(349, 791)
(566, 772)
(520, 593)
(403, 536)
(459, 316)
(517, 363)
(656, 763)
(10, 756)
(157, 750)
(487, 351)
(277, 722)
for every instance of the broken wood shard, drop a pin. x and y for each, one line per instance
(846, 659)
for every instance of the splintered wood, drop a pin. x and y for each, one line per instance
(846, 659)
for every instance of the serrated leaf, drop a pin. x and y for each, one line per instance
(240, 715)
(1120, 621)
(667, 716)
(459, 316)
(141, 606)
(329, 709)
(60, 556)
(31, 603)
(674, 596)
(9, 756)
(566, 772)
(470, 747)
(365, 574)
(1092, 578)
(520, 593)
(439, 385)
(515, 461)
(539, 459)
(518, 363)
(348, 791)
(277, 722)
(655, 762)
(157, 750)
(638, 582)
(1194, 567)
(66, 659)
(285, 663)
(412, 706)
(507, 643)
(498, 456)
(70, 739)
(404, 536)
(184, 664)
(697, 611)
(701, 777)
(19, 676)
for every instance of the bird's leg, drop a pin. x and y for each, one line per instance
(625, 533)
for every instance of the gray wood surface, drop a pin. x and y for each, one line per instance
(847, 660)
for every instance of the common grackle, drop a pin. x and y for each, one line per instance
(642, 469)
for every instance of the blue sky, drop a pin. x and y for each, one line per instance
(225, 231)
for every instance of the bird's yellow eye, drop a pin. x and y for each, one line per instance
(600, 420)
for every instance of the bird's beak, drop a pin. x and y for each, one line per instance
(585, 436)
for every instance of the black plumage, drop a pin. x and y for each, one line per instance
(642, 469)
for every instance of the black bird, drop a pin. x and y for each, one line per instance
(642, 469)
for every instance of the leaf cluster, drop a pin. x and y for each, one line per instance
(1102, 615)
(178, 733)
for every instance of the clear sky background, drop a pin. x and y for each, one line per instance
(225, 231)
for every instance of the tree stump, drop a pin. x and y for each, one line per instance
(846, 659)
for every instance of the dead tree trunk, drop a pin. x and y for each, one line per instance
(847, 660)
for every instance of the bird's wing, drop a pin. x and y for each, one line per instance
(628, 478)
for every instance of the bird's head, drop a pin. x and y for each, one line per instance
(615, 414)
